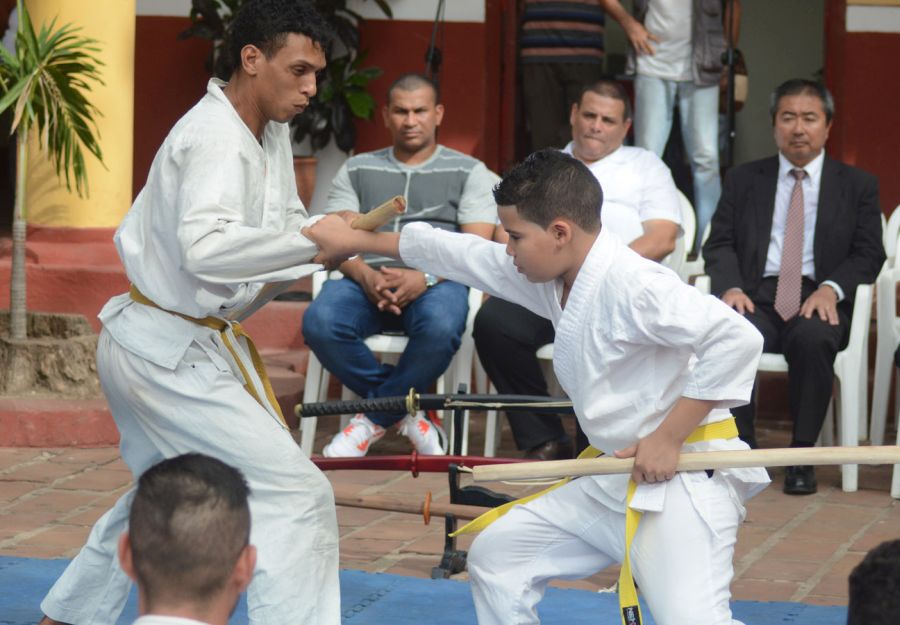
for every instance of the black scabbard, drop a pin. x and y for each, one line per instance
(414, 402)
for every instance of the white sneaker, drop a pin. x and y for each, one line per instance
(354, 440)
(428, 438)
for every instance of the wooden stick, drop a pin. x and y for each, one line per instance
(888, 454)
(380, 215)
(407, 506)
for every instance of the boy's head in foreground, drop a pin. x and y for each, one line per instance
(187, 544)
(549, 204)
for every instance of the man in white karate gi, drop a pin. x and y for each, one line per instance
(218, 219)
(652, 367)
(188, 541)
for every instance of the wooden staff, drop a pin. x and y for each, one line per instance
(698, 461)
(407, 506)
(381, 214)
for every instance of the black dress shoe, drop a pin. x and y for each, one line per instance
(551, 450)
(800, 480)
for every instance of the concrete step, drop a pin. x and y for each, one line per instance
(44, 422)
(85, 289)
(48, 422)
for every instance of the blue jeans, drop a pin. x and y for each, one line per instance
(339, 320)
(699, 111)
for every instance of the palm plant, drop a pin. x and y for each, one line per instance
(44, 83)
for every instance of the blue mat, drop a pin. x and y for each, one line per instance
(383, 599)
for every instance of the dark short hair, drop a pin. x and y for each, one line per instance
(798, 86)
(609, 89)
(189, 523)
(266, 24)
(875, 587)
(412, 81)
(550, 184)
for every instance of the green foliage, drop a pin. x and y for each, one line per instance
(342, 96)
(342, 90)
(44, 83)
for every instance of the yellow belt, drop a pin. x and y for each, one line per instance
(628, 600)
(221, 326)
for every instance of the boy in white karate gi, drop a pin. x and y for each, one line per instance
(650, 364)
(218, 219)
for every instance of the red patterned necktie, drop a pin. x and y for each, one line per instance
(790, 276)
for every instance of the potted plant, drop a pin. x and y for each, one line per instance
(44, 84)
(342, 96)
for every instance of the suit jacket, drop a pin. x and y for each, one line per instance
(847, 246)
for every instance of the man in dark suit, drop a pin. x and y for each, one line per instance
(792, 237)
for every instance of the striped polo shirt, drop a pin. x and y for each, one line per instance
(562, 31)
(447, 190)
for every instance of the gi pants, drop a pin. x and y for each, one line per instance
(682, 560)
(202, 406)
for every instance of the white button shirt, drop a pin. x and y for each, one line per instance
(810, 184)
(632, 339)
(637, 187)
(783, 190)
(218, 218)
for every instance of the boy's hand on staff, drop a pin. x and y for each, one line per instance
(655, 458)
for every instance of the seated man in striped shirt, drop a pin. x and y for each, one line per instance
(442, 187)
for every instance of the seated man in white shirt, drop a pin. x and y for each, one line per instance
(188, 541)
(641, 207)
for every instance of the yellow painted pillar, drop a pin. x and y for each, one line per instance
(49, 203)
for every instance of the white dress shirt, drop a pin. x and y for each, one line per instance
(218, 218)
(784, 188)
(632, 339)
(637, 187)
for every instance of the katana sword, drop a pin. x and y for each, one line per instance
(414, 402)
(415, 463)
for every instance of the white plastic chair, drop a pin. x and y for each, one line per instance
(888, 331)
(390, 346)
(890, 230)
(851, 370)
(697, 266)
(492, 423)
(895, 481)
(677, 260)
(888, 337)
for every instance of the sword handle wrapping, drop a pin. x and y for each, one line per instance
(413, 402)
(376, 404)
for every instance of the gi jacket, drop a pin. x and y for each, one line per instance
(632, 339)
(218, 218)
